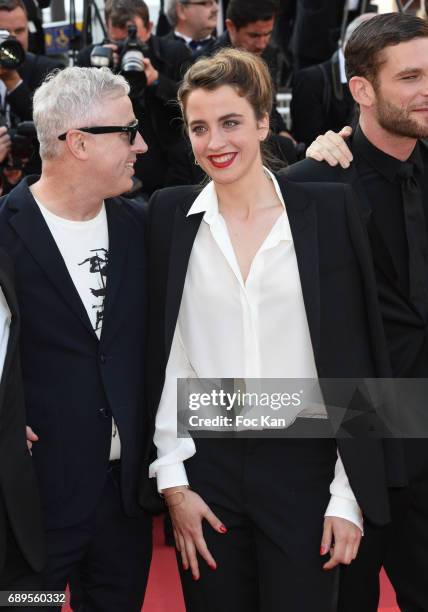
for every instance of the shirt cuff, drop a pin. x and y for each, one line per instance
(347, 509)
(173, 475)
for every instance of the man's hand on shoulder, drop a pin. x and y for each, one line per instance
(332, 148)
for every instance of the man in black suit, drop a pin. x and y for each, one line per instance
(80, 274)
(193, 22)
(387, 71)
(321, 98)
(22, 550)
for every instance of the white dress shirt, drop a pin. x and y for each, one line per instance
(342, 67)
(5, 319)
(228, 328)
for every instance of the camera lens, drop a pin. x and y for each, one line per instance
(12, 55)
(132, 61)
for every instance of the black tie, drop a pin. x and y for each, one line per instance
(416, 232)
(195, 45)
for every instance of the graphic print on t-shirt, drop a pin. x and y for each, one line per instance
(98, 264)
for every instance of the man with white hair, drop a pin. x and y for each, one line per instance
(79, 257)
(321, 98)
(193, 22)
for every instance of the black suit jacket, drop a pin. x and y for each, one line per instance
(339, 293)
(405, 327)
(74, 382)
(403, 323)
(19, 497)
(322, 17)
(320, 101)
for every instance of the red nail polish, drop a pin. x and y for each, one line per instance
(213, 567)
(322, 550)
(223, 529)
(195, 578)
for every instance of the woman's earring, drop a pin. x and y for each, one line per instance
(196, 162)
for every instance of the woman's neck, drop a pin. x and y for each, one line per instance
(244, 197)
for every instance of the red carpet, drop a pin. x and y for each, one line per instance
(164, 591)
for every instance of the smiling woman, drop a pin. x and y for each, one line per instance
(237, 265)
(226, 110)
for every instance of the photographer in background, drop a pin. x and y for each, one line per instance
(18, 81)
(153, 66)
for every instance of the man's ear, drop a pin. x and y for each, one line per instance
(231, 28)
(180, 10)
(362, 91)
(77, 144)
(263, 127)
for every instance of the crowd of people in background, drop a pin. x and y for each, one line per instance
(245, 266)
(301, 42)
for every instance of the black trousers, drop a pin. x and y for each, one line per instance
(106, 559)
(401, 547)
(17, 575)
(271, 495)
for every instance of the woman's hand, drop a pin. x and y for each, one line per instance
(187, 510)
(342, 538)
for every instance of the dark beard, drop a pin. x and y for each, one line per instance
(396, 121)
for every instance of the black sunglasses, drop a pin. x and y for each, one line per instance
(131, 130)
(206, 3)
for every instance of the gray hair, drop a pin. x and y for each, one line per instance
(353, 25)
(72, 98)
(171, 12)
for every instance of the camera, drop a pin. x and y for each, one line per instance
(23, 139)
(131, 55)
(12, 54)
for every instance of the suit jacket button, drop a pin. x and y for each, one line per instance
(103, 358)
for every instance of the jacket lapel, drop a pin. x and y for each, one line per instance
(9, 293)
(118, 233)
(302, 216)
(183, 236)
(29, 224)
(382, 256)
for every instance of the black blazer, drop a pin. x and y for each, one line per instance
(74, 382)
(339, 294)
(19, 496)
(320, 101)
(405, 327)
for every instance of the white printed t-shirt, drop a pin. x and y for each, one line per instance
(84, 248)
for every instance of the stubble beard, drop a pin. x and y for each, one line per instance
(397, 121)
